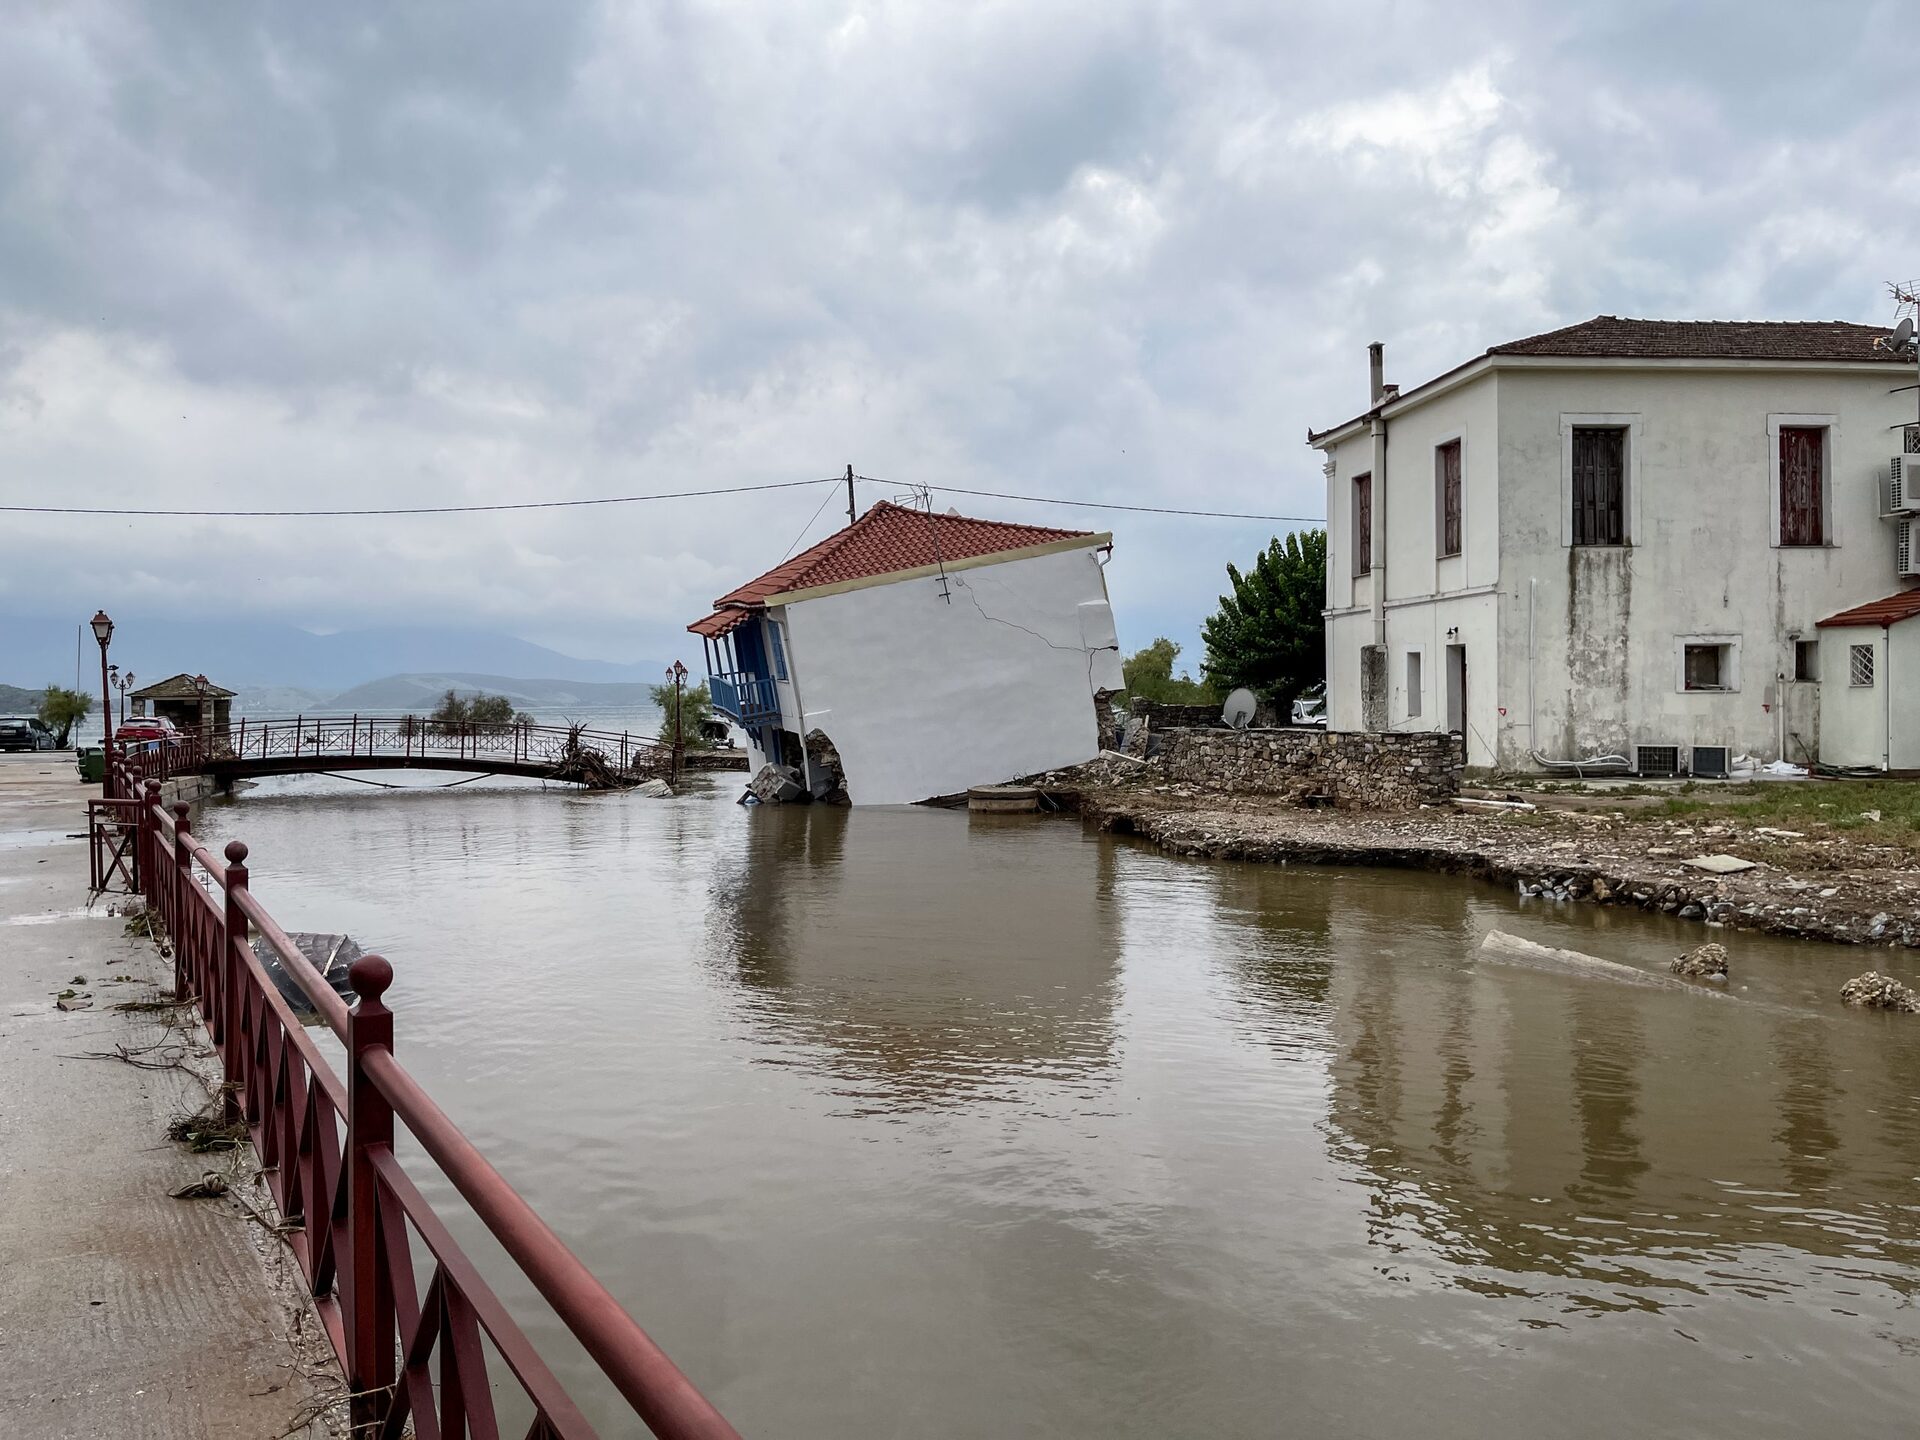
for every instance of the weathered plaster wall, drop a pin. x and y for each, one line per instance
(924, 695)
(1360, 771)
(1853, 718)
(1609, 622)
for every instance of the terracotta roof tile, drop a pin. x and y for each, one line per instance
(1610, 337)
(886, 540)
(1903, 606)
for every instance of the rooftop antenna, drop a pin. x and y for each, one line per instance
(923, 501)
(1900, 343)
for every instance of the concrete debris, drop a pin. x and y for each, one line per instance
(829, 774)
(1703, 962)
(1780, 834)
(776, 785)
(1505, 949)
(1465, 803)
(75, 1002)
(655, 789)
(1720, 864)
(1875, 991)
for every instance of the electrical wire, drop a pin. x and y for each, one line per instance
(810, 523)
(1106, 504)
(371, 511)
(415, 509)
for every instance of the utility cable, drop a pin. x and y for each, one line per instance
(1106, 504)
(416, 509)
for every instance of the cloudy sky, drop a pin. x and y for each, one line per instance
(304, 256)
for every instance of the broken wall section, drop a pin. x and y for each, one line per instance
(1353, 769)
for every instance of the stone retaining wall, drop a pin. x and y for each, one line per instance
(1162, 715)
(1356, 770)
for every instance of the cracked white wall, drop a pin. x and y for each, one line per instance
(925, 695)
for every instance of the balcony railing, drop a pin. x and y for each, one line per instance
(750, 699)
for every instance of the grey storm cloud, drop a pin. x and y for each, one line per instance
(294, 256)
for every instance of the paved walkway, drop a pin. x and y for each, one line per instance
(123, 1312)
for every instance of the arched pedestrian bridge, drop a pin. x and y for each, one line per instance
(305, 745)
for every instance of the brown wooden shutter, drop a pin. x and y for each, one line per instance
(1449, 455)
(1599, 486)
(1802, 482)
(1363, 524)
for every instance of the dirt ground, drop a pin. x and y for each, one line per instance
(1835, 861)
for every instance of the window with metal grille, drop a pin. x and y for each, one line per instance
(1806, 659)
(1910, 440)
(1446, 467)
(1803, 484)
(1860, 664)
(1599, 485)
(1413, 684)
(1363, 524)
(1706, 667)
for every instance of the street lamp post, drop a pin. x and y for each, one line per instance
(103, 632)
(122, 683)
(678, 675)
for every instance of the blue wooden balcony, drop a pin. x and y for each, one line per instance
(748, 699)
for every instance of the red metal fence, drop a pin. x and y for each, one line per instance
(413, 1358)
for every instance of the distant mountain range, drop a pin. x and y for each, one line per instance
(241, 654)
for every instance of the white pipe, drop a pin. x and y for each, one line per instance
(1533, 738)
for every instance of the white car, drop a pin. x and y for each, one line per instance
(1311, 708)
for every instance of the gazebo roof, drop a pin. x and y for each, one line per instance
(182, 687)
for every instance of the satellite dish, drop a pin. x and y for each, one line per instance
(1902, 336)
(1238, 712)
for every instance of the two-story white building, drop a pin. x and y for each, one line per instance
(1618, 538)
(934, 652)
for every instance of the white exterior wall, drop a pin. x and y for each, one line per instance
(924, 697)
(1703, 561)
(1853, 718)
(1603, 673)
(1426, 595)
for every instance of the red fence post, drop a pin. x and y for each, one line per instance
(182, 923)
(233, 975)
(149, 795)
(369, 1295)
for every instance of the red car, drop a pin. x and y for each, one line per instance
(148, 727)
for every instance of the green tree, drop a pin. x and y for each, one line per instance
(696, 709)
(1268, 634)
(1149, 676)
(452, 712)
(492, 712)
(61, 709)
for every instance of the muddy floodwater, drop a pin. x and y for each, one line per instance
(906, 1123)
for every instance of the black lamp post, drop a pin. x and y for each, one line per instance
(678, 674)
(103, 632)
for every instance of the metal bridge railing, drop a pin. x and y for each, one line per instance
(413, 1357)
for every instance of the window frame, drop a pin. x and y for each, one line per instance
(777, 648)
(1830, 424)
(1872, 653)
(1628, 421)
(1456, 444)
(1362, 522)
(1416, 680)
(1805, 674)
(1729, 663)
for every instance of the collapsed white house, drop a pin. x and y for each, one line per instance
(932, 652)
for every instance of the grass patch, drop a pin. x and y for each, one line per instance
(1845, 805)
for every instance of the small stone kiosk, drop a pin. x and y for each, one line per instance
(191, 702)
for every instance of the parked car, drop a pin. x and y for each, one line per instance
(1311, 708)
(148, 727)
(24, 732)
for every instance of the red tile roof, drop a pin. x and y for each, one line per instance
(1610, 337)
(886, 540)
(1903, 606)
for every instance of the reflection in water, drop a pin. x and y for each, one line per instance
(900, 1122)
(920, 958)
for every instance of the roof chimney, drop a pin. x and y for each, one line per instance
(1376, 370)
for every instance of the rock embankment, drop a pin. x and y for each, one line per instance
(1825, 885)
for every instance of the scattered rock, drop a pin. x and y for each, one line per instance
(1781, 834)
(1703, 962)
(75, 1002)
(655, 789)
(1875, 991)
(1720, 864)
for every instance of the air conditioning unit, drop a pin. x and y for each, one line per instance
(1712, 762)
(1656, 761)
(1906, 549)
(1902, 493)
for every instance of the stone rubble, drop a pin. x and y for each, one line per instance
(1875, 991)
(1703, 962)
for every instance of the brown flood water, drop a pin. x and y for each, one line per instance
(905, 1123)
